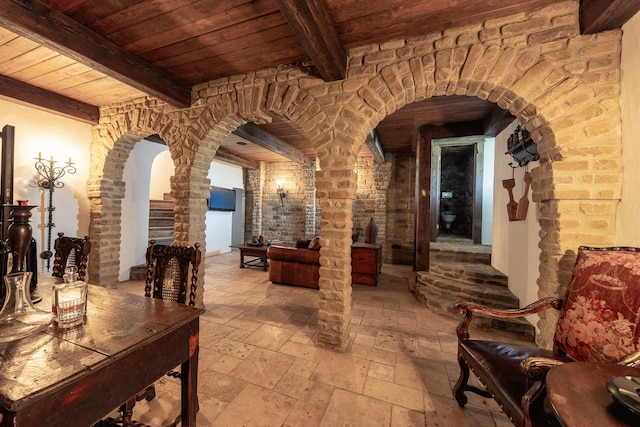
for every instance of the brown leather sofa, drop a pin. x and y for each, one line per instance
(294, 266)
(300, 265)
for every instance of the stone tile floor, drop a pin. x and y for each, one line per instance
(259, 365)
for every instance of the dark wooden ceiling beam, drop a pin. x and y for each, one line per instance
(156, 138)
(602, 15)
(32, 95)
(314, 28)
(256, 135)
(453, 130)
(62, 34)
(229, 157)
(373, 143)
(497, 121)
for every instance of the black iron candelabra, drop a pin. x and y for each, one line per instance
(49, 179)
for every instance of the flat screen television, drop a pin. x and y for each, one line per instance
(222, 199)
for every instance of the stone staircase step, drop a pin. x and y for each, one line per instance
(445, 304)
(478, 256)
(161, 204)
(160, 232)
(163, 240)
(485, 294)
(138, 272)
(161, 213)
(161, 222)
(161, 229)
(467, 272)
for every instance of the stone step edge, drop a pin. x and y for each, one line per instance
(493, 295)
(461, 256)
(519, 326)
(472, 273)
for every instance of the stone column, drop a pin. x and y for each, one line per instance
(336, 190)
(253, 188)
(310, 207)
(105, 199)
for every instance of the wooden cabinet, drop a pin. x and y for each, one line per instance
(366, 263)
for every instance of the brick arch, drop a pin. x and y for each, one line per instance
(259, 102)
(192, 143)
(567, 102)
(111, 143)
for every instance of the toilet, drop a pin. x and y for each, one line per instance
(448, 217)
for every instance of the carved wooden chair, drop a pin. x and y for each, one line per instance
(171, 270)
(71, 251)
(172, 274)
(599, 322)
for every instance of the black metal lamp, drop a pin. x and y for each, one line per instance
(281, 193)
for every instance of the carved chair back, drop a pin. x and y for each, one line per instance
(71, 251)
(170, 270)
(600, 316)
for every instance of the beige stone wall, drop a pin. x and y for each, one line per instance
(293, 217)
(564, 87)
(253, 180)
(371, 196)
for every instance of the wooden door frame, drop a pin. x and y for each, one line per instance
(436, 174)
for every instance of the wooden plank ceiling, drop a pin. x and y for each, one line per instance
(73, 56)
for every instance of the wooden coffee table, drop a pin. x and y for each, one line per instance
(259, 254)
(578, 394)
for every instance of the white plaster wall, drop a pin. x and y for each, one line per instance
(36, 132)
(627, 230)
(147, 176)
(487, 190)
(515, 250)
(162, 169)
(500, 238)
(218, 224)
(135, 205)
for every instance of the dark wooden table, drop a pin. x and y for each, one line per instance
(578, 394)
(78, 376)
(259, 254)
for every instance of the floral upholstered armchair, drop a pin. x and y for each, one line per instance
(599, 322)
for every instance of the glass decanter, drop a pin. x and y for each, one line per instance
(69, 304)
(18, 317)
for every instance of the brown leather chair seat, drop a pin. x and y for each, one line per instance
(497, 365)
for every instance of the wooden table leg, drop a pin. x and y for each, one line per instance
(189, 374)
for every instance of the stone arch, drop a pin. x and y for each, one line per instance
(111, 143)
(258, 100)
(564, 91)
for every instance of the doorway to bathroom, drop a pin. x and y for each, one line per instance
(457, 188)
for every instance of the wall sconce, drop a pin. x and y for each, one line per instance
(281, 193)
(521, 147)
